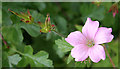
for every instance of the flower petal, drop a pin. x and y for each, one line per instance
(90, 28)
(76, 38)
(80, 53)
(96, 53)
(103, 35)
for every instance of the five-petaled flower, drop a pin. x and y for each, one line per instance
(88, 42)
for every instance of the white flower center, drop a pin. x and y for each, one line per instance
(90, 43)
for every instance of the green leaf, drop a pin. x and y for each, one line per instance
(40, 5)
(63, 45)
(5, 61)
(61, 24)
(108, 20)
(92, 11)
(58, 51)
(12, 34)
(79, 27)
(32, 29)
(79, 64)
(14, 59)
(69, 59)
(40, 59)
(0, 51)
(6, 19)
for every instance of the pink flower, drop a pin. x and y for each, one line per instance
(88, 42)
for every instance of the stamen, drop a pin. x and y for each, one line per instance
(90, 43)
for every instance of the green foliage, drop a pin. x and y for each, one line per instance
(61, 24)
(26, 42)
(69, 59)
(80, 64)
(63, 45)
(79, 27)
(12, 34)
(14, 59)
(95, 12)
(32, 29)
(39, 59)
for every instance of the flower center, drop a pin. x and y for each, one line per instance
(90, 43)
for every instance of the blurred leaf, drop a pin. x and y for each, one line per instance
(108, 20)
(14, 59)
(5, 61)
(63, 45)
(12, 34)
(105, 63)
(69, 59)
(92, 11)
(79, 27)
(37, 60)
(39, 5)
(32, 29)
(61, 24)
(37, 16)
(58, 51)
(79, 64)
(107, 5)
(51, 36)
(113, 50)
(5, 18)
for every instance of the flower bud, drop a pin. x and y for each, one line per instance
(114, 9)
(47, 26)
(26, 18)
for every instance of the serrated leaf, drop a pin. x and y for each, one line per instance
(69, 59)
(58, 51)
(40, 59)
(63, 45)
(32, 29)
(14, 59)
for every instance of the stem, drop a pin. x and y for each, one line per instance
(19, 52)
(109, 56)
(3, 39)
(59, 34)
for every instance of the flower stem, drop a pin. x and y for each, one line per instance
(109, 56)
(59, 34)
(3, 39)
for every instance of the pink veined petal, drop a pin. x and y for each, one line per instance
(96, 53)
(80, 53)
(103, 35)
(90, 28)
(76, 38)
